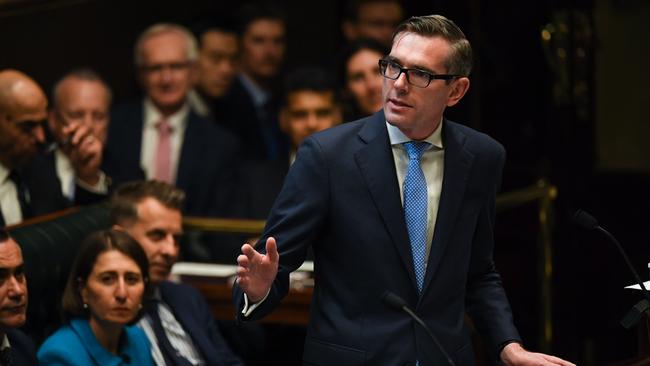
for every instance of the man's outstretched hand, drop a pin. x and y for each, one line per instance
(255, 271)
(514, 354)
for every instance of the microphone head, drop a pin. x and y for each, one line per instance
(585, 220)
(393, 300)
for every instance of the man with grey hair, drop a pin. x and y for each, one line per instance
(160, 136)
(78, 121)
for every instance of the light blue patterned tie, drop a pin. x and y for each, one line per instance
(415, 208)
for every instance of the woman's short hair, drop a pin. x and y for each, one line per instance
(92, 247)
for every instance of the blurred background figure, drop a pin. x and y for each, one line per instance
(104, 294)
(375, 19)
(13, 306)
(161, 137)
(359, 72)
(78, 121)
(310, 103)
(28, 183)
(252, 100)
(216, 66)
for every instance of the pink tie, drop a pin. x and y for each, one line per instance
(163, 169)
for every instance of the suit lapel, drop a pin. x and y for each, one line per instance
(183, 314)
(375, 161)
(457, 162)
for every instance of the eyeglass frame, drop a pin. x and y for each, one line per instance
(406, 71)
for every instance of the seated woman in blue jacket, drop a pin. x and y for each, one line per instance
(103, 296)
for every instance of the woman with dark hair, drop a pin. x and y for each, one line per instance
(361, 81)
(107, 284)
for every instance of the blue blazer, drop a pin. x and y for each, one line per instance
(75, 344)
(193, 313)
(342, 198)
(207, 163)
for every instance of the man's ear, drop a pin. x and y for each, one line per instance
(458, 89)
(117, 227)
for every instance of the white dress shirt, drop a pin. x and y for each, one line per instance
(152, 116)
(9, 203)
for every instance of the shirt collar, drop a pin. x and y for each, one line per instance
(5, 339)
(397, 137)
(4, 173)
(259, 96)
(152, 116)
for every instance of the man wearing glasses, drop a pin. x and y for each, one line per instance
(401, 201)
(160, 137)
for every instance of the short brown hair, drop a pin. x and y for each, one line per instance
(459, 61)
(123, 206)
(95, 244)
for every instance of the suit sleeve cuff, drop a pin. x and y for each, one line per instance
(248, 308)
(100, 188)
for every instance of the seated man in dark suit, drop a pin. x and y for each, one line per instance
(15, 347)
(28, 182)
(179, 324)
(310, 103)
(78, 121)
(250, 107)
(161, 137)
(216, 66)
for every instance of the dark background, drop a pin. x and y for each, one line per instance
(574, 110)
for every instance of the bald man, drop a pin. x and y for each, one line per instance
(78, 120)
(28, 184)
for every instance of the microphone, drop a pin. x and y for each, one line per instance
(399, 304)
(588, 222)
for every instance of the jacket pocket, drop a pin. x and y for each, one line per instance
(323, 353)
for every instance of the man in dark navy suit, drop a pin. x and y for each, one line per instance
(401, 201)
(15, 347)
(178, 322)
(161, 137)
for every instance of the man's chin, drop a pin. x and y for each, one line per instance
(159, 276)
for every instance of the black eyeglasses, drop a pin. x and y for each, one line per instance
(416, 77)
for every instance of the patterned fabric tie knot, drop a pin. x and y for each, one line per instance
(415, 149)
(415, 208)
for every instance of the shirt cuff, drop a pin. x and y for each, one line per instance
(100, 188)
(248, 308)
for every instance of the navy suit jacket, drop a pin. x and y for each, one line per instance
(263, 138)
(207, 163)
(193, 313)
(23, 352)
(341, 196)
